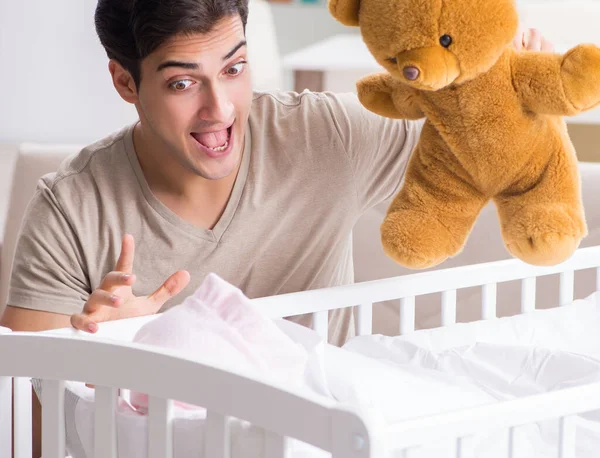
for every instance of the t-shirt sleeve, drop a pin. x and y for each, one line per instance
(378, 148)
(48, 271)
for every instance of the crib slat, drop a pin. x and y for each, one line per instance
(407, 315)
(276, 446)
(409, 452)
(217, 437)
(160, 428)
(5, 417)
(320, 323)
(22, 433)
(512, 447)
(105, 426)
(463, 445)
(488, 301)
(566, 447)
(53, 419)
(567, 287)
(598, 279)
(365, 319)
(528, 286)
(448, 307)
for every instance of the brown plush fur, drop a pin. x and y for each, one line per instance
(493, 128)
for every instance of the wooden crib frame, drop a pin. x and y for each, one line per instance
(59, 355)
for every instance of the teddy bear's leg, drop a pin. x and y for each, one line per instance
(432, 215)
(543, 222)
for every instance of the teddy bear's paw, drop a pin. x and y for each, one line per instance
(581, 76)
(375, 94)
(544, 235)
(416, 240)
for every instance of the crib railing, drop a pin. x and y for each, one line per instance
(40, 355)
(447, 282)
(560, 406)
(109, 366)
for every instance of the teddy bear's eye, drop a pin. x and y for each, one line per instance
(445, 40)
(393, 60)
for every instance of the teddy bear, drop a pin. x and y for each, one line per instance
(493, 126)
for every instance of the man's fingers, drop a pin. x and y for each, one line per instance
(83, 323)
(532, 40)
(101, 298)
(547, 46)
(518, 40)
(114, 280)
(173, 286)
(125, 261)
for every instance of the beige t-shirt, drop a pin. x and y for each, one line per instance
(312, 164)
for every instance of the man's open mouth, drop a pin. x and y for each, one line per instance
(216, 141)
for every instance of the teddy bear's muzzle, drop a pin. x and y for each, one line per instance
(429, 68)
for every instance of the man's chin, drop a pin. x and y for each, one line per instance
(215, 171)
(214, 176)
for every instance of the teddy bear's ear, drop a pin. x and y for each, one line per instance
(345, 11)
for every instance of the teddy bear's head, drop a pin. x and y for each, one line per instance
(430, 44)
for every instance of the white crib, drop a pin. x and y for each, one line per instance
(110, 365)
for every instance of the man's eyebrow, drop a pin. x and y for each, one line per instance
(235, 49)
(175, 63)
(193, 66)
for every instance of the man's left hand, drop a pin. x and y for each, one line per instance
(531, 40)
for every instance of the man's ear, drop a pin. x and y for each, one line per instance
(123, 82)
(345, 11)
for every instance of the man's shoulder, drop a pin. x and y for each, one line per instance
(94, 158)
(290, 100)
(284, 98)
(324, 113)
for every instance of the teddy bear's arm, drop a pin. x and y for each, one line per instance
(558, 84)
(382, 95)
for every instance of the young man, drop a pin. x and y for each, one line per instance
(261, 188)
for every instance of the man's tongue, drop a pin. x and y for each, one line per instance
(212, 139)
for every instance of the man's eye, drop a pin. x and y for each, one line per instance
(236, 69)
(180, 85)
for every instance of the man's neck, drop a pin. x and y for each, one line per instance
(193, 198)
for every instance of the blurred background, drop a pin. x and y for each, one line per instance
(55, 86)
(56, 95)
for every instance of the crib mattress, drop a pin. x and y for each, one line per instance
(397, 378)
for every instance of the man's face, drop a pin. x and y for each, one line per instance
(194, 99)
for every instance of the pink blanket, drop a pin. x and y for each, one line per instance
(219, 325)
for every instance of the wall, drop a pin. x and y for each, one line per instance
(55, 84)
(298, 26)
(586, 140)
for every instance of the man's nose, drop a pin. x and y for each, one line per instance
(216, 105)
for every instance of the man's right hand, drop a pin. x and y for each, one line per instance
(114, 299)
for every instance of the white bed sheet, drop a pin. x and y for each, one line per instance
(509, 358)
(426, 372)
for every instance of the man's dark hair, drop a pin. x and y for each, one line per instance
(130, 30)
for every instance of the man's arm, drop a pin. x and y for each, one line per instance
(19, 319)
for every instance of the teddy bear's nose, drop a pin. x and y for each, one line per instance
(411, 73)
